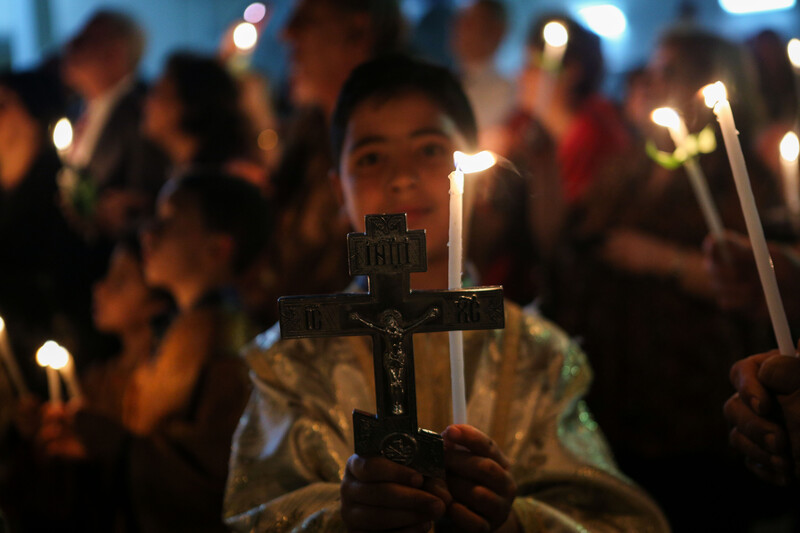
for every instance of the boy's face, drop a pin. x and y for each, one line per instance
(177, 244)
(396, 157)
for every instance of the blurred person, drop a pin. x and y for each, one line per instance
(637, 102)
(478, 31)
(326, 40)
(633, 285)
(194, 113)
(99, 64)
(124, 305)
(167, 461)
(559, 148)
(534, 460)
(779, 87)
(45, 289)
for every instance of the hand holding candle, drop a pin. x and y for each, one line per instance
(716, 98)
(465, 164)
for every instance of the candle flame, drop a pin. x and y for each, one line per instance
(62, 134)
(714, 93)
(790, 147)
(245, 36)
(666, 117)
(793, 49)
(53, 355)
(2, 324)
(555, 34)
(474, 163)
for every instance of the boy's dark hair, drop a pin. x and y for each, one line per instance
(209, 98)
(583, 49)
(228, 205)
(392, 75)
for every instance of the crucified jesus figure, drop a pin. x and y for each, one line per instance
(390, 324)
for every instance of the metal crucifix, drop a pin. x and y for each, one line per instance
(390, 312)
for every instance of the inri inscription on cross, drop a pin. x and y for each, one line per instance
(391, 312)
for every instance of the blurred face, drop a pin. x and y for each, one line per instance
(162, 111)
(671, 83)
(176, 243)
(92, 59)
(396, 157)
(122, 299)
(324, 46)
(476, 35)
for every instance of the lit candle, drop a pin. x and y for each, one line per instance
(46, 356)
(62, 136)
(793, 51)
(669, 118)
(465, 164)
(245, 36)
(555, 44)
(11, 363)
(716, 98)
(789, 150)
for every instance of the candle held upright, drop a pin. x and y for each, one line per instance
(716, 98)
(464, 164)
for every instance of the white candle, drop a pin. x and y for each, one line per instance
(669, 118)
(65, 365)
(555, 44)
(10, 361)
(464, 164)
(45, 356)
(716, 98)
(789, 150)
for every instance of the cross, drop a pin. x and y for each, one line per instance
(390, 312)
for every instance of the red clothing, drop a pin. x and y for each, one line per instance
(596, 134)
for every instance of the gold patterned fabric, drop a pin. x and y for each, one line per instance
(524, 388)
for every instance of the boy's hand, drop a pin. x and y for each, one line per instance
(478, 478)
(378, 495)
(781, 375)
(757, 432)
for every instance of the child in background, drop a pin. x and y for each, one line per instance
(169, 461)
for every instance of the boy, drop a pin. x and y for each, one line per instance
(180, 409)
(394, 131)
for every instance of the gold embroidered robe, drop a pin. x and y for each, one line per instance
(524, 389)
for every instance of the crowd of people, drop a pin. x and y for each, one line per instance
(634, 387)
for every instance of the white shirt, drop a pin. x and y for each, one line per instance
(93, 120)
(491, 95)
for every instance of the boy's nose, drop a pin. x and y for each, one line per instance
(404, 176)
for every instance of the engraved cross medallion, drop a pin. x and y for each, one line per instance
(390, 312)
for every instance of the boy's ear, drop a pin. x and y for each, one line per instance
(336, 184)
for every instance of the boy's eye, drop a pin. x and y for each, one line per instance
(433, 150)
(369, 159)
